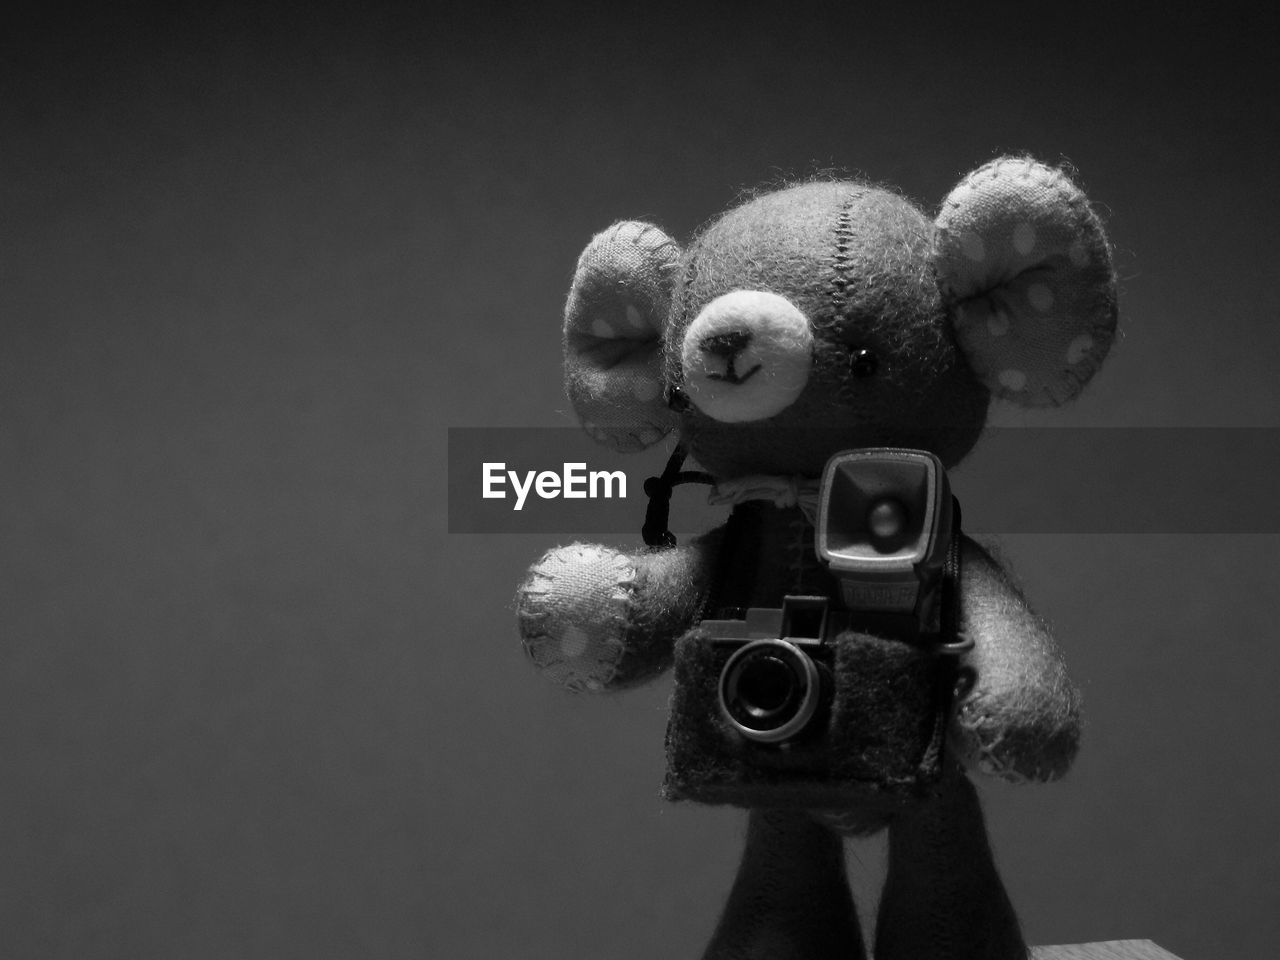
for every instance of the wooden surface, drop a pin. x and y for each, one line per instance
(1110, 950)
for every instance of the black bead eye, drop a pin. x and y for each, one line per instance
(863, 363)
(677, 400)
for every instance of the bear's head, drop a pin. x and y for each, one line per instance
(831, 315)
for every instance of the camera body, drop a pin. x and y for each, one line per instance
(837, 699)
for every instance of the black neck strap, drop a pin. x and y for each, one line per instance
(657, 514)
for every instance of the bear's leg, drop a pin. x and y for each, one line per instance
(791, 898)
(942, 898)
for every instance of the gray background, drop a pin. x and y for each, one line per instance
(256, 702)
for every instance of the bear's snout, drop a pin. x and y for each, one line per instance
(746, 356)
(727, 346)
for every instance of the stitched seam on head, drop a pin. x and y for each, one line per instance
(842, 260)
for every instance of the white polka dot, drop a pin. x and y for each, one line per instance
(1024, 238)
(1079, 348)
(973, 247)
(604, 329)
(646, 390)
(649, 434)
(1078, 254)
(998, 323)
(574, 642)
(1040, 296)
(634, 318)
(1014, 380)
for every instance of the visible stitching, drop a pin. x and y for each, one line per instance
(625, 231)
(681, 285)
(543, 647)
(977, 724)
(842, 260)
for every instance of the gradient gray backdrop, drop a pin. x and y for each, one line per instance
(255, 702)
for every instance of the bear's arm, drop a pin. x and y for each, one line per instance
(593, 618)
(1021, 718)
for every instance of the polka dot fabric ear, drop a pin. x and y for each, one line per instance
(1023, 263)
(613, 325)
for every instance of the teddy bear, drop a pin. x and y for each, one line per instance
(823, 326)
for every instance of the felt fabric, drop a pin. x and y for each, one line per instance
(746, 356)
(913, 325)
(790, 899)
(614, 317)
(1023, 261)
(594, 619)
(876, 747)
(942, 897)
(573, 608)
(854, 259)
(1021, 719)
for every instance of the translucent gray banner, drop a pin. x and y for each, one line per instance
(1123, 480)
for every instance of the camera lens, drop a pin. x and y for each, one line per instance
(765, 685)
(769, 690)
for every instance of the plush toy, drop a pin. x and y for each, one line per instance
(813, 348)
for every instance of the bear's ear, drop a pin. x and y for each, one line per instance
(613, 324)
(1025, 269)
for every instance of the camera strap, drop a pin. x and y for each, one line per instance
(953, 641)
(657, 514)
